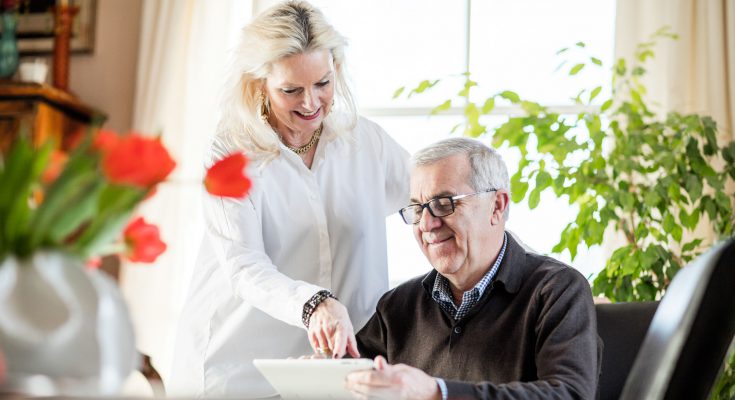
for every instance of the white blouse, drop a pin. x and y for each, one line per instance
(299, 231)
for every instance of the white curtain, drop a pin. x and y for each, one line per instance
(696, 73)
(184, 49)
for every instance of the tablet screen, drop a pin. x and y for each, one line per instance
(311, 379)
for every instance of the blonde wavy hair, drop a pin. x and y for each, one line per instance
(289, 28)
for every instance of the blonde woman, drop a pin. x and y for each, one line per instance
(298, 266)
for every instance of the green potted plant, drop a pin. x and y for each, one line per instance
(647, 179)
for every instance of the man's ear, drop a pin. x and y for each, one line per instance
(501, 204)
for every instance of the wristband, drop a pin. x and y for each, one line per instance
(313, 303)
(442, 388)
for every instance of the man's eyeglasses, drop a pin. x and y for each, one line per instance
(438, 207)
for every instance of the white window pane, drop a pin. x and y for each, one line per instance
(514, 43)
(399, 43)
(416, 132)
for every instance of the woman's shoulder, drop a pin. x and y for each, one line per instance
(368, 132)
(219, 147)
(366, 123)
(223, 145)
(368, 127)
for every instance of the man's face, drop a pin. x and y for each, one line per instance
(457, 244)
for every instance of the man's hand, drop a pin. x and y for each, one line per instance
(330, 329)
(393, 382)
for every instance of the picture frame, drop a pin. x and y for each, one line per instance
(35, 32)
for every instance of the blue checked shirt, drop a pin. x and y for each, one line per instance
(443, 295)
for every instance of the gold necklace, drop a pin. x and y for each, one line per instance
(305, 148)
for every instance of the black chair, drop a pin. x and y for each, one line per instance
(622, 327)
(691, 332)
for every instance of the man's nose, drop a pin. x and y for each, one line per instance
(428, 221)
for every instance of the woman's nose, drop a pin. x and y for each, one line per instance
(309, 101)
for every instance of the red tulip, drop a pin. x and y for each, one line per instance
(226, 178)
(105, 140)
(143, 241)
(2, 367)
(93, 263)
(56, 164)
(136, 160)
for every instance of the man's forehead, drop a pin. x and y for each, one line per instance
(444, 176)
(454, 167)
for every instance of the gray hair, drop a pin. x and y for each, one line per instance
(487, 168)
(286, 29)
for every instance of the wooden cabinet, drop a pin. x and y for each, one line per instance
(43, 112)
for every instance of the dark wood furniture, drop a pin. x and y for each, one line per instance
(44, 113)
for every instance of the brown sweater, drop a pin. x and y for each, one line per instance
(531, 336)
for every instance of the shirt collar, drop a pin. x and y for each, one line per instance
(441, 290)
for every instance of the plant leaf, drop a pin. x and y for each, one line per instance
(489, 105)
(441, 107)
(398, 92)
(534, 198)
(510, 96)
(518, 190)
(606, 105)
(575, 69)
(595, 92)
(422, 86)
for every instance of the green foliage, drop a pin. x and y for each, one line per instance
(650, 179)
(725, 387)
(80, 211)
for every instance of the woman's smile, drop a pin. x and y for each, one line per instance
(308, 116)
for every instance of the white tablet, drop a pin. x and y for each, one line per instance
(311, 379)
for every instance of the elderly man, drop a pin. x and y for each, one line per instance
(491, 320)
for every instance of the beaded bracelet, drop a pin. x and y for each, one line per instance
(313, 303)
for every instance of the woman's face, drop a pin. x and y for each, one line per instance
(300, 88)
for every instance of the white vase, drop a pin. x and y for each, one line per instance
(64, 329)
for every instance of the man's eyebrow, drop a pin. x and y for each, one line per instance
(444, 193)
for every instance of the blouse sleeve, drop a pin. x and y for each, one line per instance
(234, 229)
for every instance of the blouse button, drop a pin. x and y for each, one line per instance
(457, 330)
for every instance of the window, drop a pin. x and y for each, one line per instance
(506, 45)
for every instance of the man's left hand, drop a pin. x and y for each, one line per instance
(393, 382)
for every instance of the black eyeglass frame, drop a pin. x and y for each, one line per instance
(428, 205)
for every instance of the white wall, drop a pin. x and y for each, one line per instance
(105, 79)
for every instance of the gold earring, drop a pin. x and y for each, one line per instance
(263, 106)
